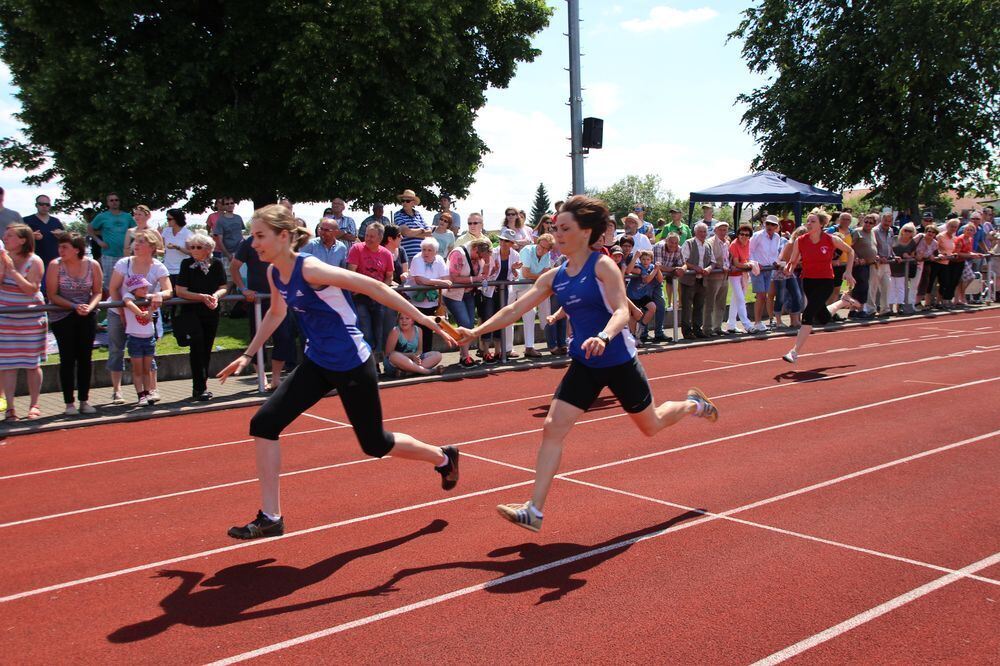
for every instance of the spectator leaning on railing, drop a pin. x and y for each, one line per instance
(22, 335)
(881, 275)
(143, 264)
(865, 257)
(764, 248)
(667, 256)
(428, 269)
(904, 271)
(202, 280)
(697, 258)
(74, 281)
(716, 285)
(739, 261)
(371, 259)
(535, 260)
(465, 266)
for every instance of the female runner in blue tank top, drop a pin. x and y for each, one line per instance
(336, 357)
(591, 290)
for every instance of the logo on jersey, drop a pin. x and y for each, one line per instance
(299, 294)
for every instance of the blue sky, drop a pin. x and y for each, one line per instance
(661, 76)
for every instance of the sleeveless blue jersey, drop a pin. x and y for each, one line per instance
(327, 319)
(582, 297)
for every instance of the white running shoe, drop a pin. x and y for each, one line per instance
(791, 357)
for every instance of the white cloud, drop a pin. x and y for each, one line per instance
(602, 98)
(668, 18)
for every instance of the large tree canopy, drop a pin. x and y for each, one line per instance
(165, 100)
(899, 94)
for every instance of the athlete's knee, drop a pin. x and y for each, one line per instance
(553, 430)
(377, 445)
(263, 425)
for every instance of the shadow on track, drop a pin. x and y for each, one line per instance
(559, 580)
(809, 375)
(603, 403)
(229, 594)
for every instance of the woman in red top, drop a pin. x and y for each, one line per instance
(815, 250)
(739, 260)
(965, 253)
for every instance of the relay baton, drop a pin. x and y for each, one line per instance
(448, 328)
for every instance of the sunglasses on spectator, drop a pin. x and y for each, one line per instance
(196, 247)
(510, 214)
(407, 200)
(743, 233)
(474, 223)
(110, 200)
(43, 203)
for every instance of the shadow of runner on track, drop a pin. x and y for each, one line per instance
(809, 375)
(559, 580)
(228, 595)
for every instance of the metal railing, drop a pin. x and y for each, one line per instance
(989, 287)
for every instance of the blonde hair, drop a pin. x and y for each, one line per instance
(278, 219)
(144, 208)
(909, 226)
(26, 233)
(546, 237)
(798, 232)
(645, 253)
(149, 235)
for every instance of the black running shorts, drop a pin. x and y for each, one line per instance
(582, 384)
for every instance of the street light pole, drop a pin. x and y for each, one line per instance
(575, 96)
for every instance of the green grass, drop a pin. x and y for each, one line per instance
(233, 334)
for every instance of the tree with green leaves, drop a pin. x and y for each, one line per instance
(898, 94)
(541, 205)
(164, 102)
(647, 190)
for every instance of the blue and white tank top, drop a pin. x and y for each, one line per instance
(327, 318)
(582, 297)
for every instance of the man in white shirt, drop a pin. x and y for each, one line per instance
(765, 246)
(640, 241)
(716, 282)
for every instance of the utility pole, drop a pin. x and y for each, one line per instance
(575, 96)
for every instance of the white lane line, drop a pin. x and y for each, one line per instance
(808, 419)
(520, 433)
(919, 381)
(249, 544)
(778, 530)
(876, 612)
(726, 363)
(377, 617)
(435, 413)
(288, 535)
(323, 418)
(153, 455)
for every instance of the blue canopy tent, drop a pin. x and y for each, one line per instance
(765, 187)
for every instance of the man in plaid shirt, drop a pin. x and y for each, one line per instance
(667, 257)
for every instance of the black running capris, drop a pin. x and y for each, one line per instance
(308, 384)
(582, 384)
(816, 291)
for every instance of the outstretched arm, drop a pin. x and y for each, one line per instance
(317, 273)
(512, 312)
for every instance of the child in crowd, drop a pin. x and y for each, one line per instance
(402, 353)
(140, 336)
(639, 290)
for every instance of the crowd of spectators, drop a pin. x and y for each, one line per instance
(710, 268)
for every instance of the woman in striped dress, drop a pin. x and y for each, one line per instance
(22, 335)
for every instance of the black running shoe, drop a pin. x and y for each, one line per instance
(449, 473)
(262, 526)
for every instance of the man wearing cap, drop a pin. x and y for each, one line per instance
(456, 219)
(639, 240)
(716, 283)
(411, 224)
(926, 218)
(676, 226)
(697, 260)
(765, 246)
(377, 216)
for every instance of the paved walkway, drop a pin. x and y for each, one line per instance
(242, 391)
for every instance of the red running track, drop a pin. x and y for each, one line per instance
(841, 510)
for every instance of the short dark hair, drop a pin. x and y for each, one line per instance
(43, 195)
(179, 217)
(589, 213)
(74, 239)
(390, 231)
